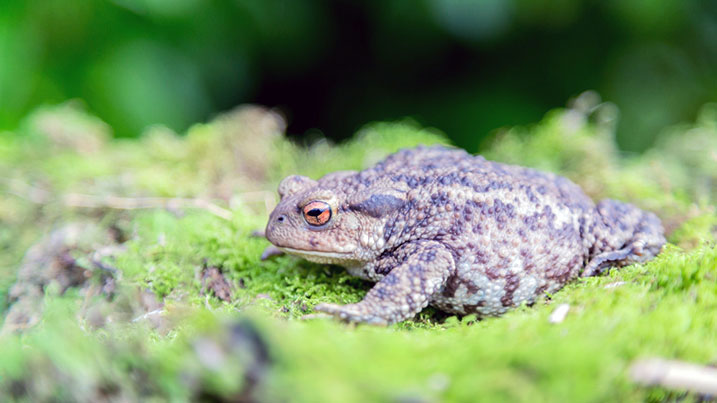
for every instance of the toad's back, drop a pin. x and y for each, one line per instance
(514, 232)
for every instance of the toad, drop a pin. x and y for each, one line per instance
(436, 225)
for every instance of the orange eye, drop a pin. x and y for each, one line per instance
(317, 213)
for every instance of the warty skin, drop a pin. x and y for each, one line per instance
(436, 225)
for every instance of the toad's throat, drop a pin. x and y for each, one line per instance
(303, 252)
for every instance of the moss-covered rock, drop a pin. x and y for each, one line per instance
(169, 299)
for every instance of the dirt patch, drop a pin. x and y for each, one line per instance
(214, 281)
(59, 261)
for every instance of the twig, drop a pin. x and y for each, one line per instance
(38, 195)
(148, 314)
(134, 203)
(675, 375)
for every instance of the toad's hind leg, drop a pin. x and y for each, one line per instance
(405, 290)
(624, 234)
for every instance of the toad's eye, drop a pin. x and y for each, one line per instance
(317, 213)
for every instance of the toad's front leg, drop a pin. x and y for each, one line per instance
(420, 272)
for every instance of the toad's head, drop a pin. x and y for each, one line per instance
(330, 221)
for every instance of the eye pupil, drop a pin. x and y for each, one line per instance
(314, 212)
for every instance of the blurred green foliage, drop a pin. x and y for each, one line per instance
(466, 67)
(139, 62)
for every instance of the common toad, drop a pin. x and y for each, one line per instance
(435, 225)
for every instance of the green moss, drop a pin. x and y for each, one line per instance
(696, 230)
(521, 356)
(370, 145)
(91, 346)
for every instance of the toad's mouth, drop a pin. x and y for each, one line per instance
(304, 252)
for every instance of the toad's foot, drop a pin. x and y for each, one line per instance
(628, 235)
(352, 313)
(271, 251)
(405, 290)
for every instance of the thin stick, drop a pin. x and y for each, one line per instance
(134, 203)
(38, 195)
(675, 375)
(148, 315)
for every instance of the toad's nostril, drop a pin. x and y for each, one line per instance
(280, 218)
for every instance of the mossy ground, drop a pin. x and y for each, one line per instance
(142, 322)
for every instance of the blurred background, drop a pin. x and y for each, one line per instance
(465, 67)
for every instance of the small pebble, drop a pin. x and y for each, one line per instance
(558, 315)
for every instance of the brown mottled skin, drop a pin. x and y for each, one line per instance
(434, 225)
